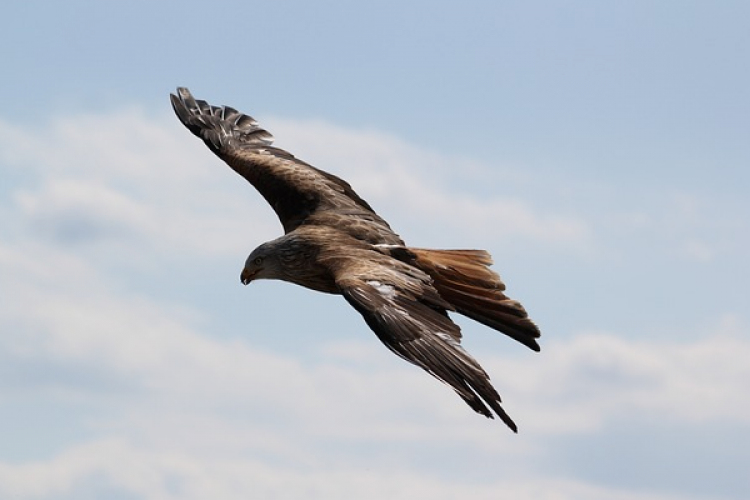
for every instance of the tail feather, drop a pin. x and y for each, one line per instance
(463, 278)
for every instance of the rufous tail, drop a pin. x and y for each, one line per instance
(463, 278)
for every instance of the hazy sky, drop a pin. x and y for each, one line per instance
(599, 150)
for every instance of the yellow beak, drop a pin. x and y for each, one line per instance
(247, 276)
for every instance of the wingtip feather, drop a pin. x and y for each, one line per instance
(218, 126)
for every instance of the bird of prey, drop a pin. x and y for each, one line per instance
(334, 242)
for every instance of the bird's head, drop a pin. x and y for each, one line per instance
(288, 258)
(262, 263)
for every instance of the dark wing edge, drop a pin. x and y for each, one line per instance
(425, 336)
(218, 126)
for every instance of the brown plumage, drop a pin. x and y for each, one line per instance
(334, 242)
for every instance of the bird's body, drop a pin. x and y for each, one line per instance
(334, 242)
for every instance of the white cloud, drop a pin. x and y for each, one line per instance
(108, 467)
(597, 378)
(129, 175)
(161, 348)
(419, 186)
(183, 413)
(130, 181)
(218, 418)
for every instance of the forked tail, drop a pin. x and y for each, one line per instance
(464, 279)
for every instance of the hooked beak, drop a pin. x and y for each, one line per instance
(247, 276)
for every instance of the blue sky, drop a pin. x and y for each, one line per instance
(598, 150)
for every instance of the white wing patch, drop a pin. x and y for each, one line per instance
(386, 290)
(451, 341)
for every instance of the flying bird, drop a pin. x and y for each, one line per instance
(334, 242)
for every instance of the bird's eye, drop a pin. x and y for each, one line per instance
(258, 261)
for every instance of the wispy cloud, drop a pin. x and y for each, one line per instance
(418, 186)
(200, 415)
(598, 378)
(116, 469)
(171, 409)
(128, 179)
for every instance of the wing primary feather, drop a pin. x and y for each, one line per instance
(426, 337)
(217, 125)
(298, 192)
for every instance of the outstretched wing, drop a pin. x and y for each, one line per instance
(298, 192)
(408, 315)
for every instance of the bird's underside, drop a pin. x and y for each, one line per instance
(334, 242)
